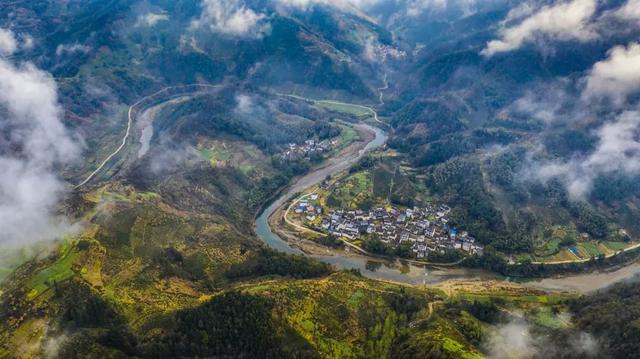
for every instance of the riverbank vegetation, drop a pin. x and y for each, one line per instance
(161, 259)
(337, 315)
(494, 261)
(168, 234)
(384, 179)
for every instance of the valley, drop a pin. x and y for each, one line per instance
(319, 179)
(185, 287)
(189, 275)
(402, 271)
(142, 105)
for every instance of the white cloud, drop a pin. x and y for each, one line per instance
(562, 21)
(417, 7)
(52, 345)
(521, 11)
(585, 344)
(370, 51)
(618, 151)
(231, 17)
(33, 143)
(629, 11)
(169, 158)
(375, 52)
(8, 42)
(411, 7)
(244, 104)
(27, 42)
(341, 4)
(616, 77)
(70, 49)
(515, 339)
(550, 103)
(510, 341)
(150, 19)
(11, 42)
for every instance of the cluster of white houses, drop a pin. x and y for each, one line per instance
(308, 148)
(427, 228)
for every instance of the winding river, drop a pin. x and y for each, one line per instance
(372, 268)
(412, 274)
(369, 267)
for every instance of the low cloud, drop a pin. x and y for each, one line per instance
(150, 19)
(371, 51)
(168, 159)
(33, 145)
(617, 151)
(520, 12)
(517, 339)
(375, 52)
(8, 42)
(418, 7)
(52, 345)
(341, 4)
(629, 11)
(616, 77)
(253, 109)
(511, 340)
(549, 103)
(71, 49)
(27, 42)
(232, 18)
(244, 104)
(609, 87)
(585, 345)
(562, 21)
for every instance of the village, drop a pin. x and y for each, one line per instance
(426, 228)
(307, 149)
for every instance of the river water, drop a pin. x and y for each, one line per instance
(144, 123)
(418, 275)
(334, 165)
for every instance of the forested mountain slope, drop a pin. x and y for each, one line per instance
(139, 140)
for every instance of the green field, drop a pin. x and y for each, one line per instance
(59, 271)
(11, 259)
(348, 135)
(616, 246)
(354, 110)
(352, 191)
(544, 317)
(229, 151)
(590, 249)
(214, 154)
(553, 246)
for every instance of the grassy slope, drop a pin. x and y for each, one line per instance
(344, 316)
(147, 254)
(124, 257)
(138, 253)
(146, 262)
